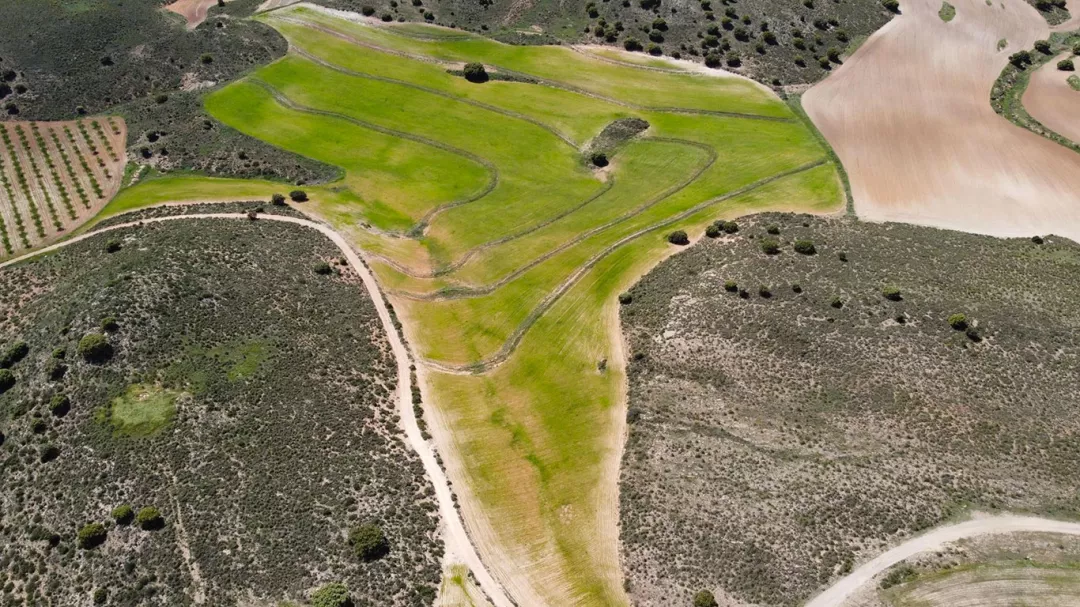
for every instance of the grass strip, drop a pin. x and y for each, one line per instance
(794, 101)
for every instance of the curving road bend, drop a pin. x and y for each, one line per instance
(456, 539)
(935, 539)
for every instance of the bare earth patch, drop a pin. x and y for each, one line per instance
(194, 11)
(909, 116)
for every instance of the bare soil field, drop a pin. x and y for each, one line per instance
(1050, 100)
(56, 175)
(194, 11)
(824, 406)
(910, 118)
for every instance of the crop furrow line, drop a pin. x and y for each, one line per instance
(471, 292)
(93, 148)
(85, 167)
(105, 139)
(487, 364)
(20, 176)
(65, 197)
(20, 228)
(70, 171)
(25, 143)
(420, 227)
(543, 81)
(479, 104)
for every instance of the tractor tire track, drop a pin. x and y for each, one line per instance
(511, 344)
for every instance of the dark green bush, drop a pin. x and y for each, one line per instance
(1020, 59)
(713, 231)
(475, 72)
(149, 518)
(625, 298)
(806, 247)
(730, 286)
(323, 268)
(112, 246)
(109, 324)
(842, 256)
(632, 44)
(891, 5)
(1043, 46)
(958, 322)
(298, 196)
(891, 293)
(277, 200)
(95, 348)
(678, 237)
(764, 291)
(369, 542)
(704, 598)
(123, 514)
(599, 159)
(331, 595)
(13, 354)
(367, 11)
(48, 453)
(1066, 65)
(1037, 239)
(770, 246)
(773, 229)
(7, 380)
(836, 302)
(92, 536)
(59, 405)
(730, 227)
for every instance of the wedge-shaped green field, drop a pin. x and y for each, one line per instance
(503, 249)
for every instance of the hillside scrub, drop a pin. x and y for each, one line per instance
(270, 429)
(900, 416)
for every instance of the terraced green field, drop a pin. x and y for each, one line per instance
(503, 249)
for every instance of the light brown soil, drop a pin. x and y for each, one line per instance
(1050, 100)
(910, 117)
(194, 11)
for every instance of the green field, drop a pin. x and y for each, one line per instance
(502, 249)
(142, 410)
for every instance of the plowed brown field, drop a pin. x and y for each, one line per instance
(1050, 100)
(910, 117)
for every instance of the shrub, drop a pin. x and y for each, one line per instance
(744, 294)
(796, 288)
(891, 293)
(678, 237)
(655, 50)
(13, 354)
(1066, 65)
(298, 196)
(7, 380)
(92, 536)
(1020, 59)
(836, 302)
(206, 58)
(704, 598)
(475, 72)
(149, 518)
(769, 246)
(112, 246)
(973, 334)
(712, 60)
(773, 229)
(713, 231)
(599, 159)
(730, 227)
(323, 268)
(278, 200)
(55, 369)
(730, 286)
(733, 59)
(59, 405)
(109, 324)
(764, 291)
(369, 542)
(958, 322)
(123, 514)
(95, 348)
(1037, 239)
(331, 595)
(632, 44)
(891, 5)
(625, 298)
(367, 11)
(1043, 46)
(842, 256)
(806, 247)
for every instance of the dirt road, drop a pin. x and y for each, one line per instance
(933, 540)
(909, 115)
(456, 540)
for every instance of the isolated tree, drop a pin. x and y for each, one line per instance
(7, 380)
(95, 348)
(149, 518)
(1066, 65)
(332, 595)
(599, 159)
(704, 598)
(678, 237)
(277, 200)
(123, 514)
(958, 322)
(92, 536)
(625, 298)
(769, 246)
(369, 542)
(475, 72)
(632, 44)
(298, 196)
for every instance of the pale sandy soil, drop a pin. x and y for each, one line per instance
(910, 117)
(935, 539)
(1050, 100)
(194, 11)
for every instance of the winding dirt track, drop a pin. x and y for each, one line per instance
(1050, 100)
(933, 540)
(909, 115)
(456, 539)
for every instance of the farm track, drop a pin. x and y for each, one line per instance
(469, 292)
(421, 226)
(511, 344)
(935, 539)
(529, 77)
(456, 539)
(491, 108)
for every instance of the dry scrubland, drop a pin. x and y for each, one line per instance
(782, 431)
(995, 571)
(919, 139)
(502, 243)
(246, 396)
(55, 175)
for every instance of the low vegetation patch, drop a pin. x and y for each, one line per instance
(143, 410)
(838, 377)
(947, 12)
